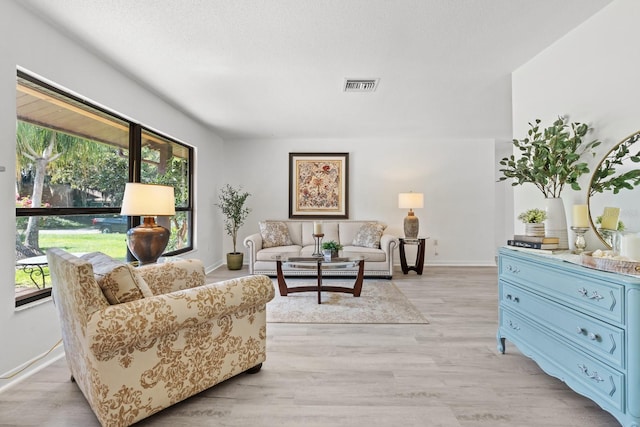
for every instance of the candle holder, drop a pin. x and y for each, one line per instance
(609, 237)
(317, 251)
(580, 243)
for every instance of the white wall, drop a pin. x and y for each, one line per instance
(591, 75)
(457, 178)
(29, 43)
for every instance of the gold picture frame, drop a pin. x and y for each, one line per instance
(319, 185)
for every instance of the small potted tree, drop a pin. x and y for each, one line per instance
(232, 204)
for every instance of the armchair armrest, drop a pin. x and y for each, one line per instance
(253, 242)
(139, 323)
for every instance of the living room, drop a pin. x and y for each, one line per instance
(587, 74)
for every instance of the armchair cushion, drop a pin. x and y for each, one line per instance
(368, 236)
(119, 281)
(173, 275)
(274, 233)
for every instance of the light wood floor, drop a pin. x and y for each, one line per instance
(447, 373)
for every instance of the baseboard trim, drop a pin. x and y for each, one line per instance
(52, 357)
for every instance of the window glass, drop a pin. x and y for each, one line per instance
(77, 234)
(72, 163)
(167, 162)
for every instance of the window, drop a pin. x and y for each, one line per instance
(72, 162)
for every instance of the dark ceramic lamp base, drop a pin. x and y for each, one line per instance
(148, 241)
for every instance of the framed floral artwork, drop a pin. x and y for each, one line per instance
(319, 185)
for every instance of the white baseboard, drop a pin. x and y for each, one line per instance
(39, 365)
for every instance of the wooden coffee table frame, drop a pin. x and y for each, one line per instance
(319, 287)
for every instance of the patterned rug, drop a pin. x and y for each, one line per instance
(380, 302)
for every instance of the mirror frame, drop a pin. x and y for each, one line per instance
(634, 137)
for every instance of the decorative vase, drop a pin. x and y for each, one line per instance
(534, 229)
(556, 222)
(234, 260)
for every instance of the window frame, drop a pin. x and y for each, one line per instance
(136, 131)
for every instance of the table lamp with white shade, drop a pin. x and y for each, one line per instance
(148, 240)
(411, 201)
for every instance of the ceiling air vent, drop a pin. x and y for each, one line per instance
(360, 85)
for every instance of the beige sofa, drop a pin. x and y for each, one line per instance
(295, 238)
(139, 340)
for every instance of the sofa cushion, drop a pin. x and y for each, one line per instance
(274, 233)
(368, 236)
(369, 254)
(119, 281)
(271, 254)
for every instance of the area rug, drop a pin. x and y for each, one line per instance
(379, 302)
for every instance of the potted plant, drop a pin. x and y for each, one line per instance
(533, 220)
(333, 247)
(550, 159)
(533, 216)
(232, 204)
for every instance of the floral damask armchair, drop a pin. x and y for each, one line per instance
(138, 340)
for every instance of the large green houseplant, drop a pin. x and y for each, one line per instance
(550, 158)
(231, 202)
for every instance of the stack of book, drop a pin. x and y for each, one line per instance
(531, 242)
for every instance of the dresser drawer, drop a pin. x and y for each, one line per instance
(584, 374)
(572, 288)
(605, 341)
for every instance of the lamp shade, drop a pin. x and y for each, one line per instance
(410, 200)
(148, 200)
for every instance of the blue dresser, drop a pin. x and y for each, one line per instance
(579, 324)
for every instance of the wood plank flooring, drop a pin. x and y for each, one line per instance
(447, 373)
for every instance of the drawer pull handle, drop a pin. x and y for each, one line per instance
(513, 326)
(594, 295)
(594, 375)
(512, 298)
(513, 269)
(591, 335)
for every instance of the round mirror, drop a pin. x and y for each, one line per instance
(615, 184)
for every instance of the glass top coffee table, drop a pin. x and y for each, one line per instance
(318, 264)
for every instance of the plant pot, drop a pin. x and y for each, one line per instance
(234, 260)
(556, 222)
(534, 229)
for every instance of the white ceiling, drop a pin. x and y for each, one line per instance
(276, 68)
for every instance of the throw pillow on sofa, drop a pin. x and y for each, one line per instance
(119, 281)
(368, 236)
(274, 233)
